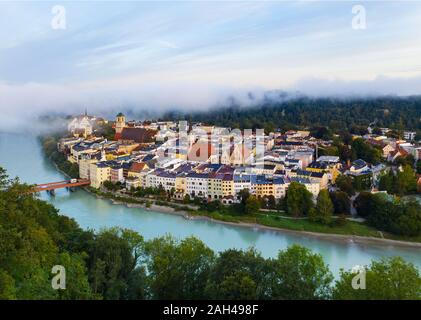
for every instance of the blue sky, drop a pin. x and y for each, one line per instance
(193, 53)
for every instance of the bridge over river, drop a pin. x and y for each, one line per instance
(51, 186)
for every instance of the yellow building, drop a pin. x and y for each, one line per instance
(215, 187)
(316, 176)
(264, 189)
(332, 170)
(99, 173)
(228, 185)
(84, 167)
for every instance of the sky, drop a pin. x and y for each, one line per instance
(194, 54)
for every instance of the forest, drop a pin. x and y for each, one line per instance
(338, 114)
(120, 264)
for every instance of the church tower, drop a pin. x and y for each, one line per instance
(120, 123)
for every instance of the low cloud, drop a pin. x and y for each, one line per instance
(22, 104)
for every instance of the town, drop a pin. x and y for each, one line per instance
(209, 163)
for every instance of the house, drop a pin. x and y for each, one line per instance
(99, 173)
(136, 169)
(116, 173)
(409, 135)
(361, 174)
(132, 183)
(399, 152)
(387, 149)
(240, 182)
(166, 180)
(326, 164)
(280, 186)
(359, 166)
(228, 185)
(264, 186)
(197, 184)
(215, 186)
(85, 162)
(320, 177)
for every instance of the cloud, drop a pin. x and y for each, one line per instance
(20, 105)
(381, 85)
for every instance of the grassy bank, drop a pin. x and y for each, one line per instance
(268, 219)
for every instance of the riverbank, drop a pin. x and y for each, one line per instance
(200, 215)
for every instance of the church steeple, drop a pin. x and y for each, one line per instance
(86, 111)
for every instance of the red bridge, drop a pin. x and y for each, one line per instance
(61, 184)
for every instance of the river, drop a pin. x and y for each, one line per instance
(22, 156)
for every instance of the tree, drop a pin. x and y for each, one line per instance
(387, 182)
(239, 274)
(215, 205)
(252, 205)
(111, 263)
(186, 199)
(77, 284)
(177, 269)
(344, 184)
(365, 151)
(387, 279)
(244, 194)
(300, 274)
(408, 220)
(7, 286)
(341, 202)
(363, 203)
(237, 286)
(271, 202)
(324, 207)
(390, 213)
(406, 181)
(299, 199)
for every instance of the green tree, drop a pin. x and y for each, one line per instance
(344, 184)
(300, 274)
(111, 262)
(252, 205)
(77, 284)
(387, 279)
(363, 203)
(406, 181)
(387, 182)
(341, 202)
(239, 274)
(7, 286)
(177, 270)
(324, 207)
(299, 199)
